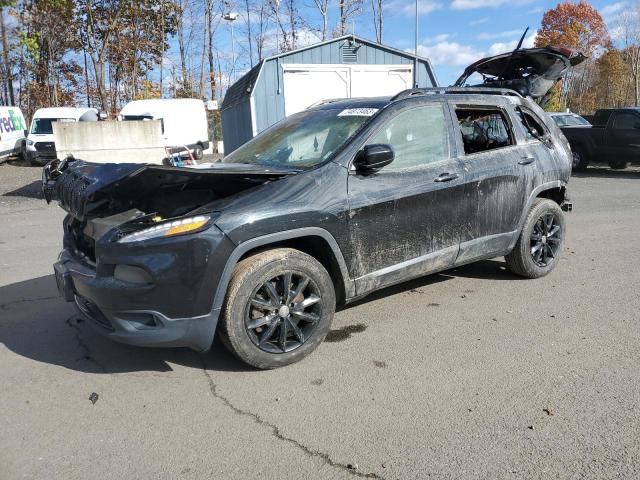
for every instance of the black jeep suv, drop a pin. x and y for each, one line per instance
(328, 205)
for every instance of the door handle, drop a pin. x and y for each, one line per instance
(527, 160)
(446, 177)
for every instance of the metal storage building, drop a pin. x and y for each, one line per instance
(347, 66)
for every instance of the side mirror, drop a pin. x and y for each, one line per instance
(373, 157)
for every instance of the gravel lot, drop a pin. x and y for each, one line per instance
(472, 373)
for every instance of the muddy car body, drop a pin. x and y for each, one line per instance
(157, 255)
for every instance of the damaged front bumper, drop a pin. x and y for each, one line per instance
(160, 295)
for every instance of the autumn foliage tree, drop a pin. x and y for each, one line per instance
(581, 27)
(574, 25)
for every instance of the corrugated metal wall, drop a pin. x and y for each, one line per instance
(268, 94)
(236, 125)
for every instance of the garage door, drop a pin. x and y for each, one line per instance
(305, 85)
(380, 80)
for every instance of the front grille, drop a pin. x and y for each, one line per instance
(70, 192)
(46, 148)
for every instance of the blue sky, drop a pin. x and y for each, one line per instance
(452, 33)
(455, 33)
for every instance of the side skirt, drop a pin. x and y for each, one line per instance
(407, 270)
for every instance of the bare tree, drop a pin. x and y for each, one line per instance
(629, 26)
(348, 10)
(378, 20)
(8, 74)
(262, 19)
(287, 20)
(248, 20)
(323, 8)
(100, 23)
(182, 47)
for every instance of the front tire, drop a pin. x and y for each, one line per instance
(278, 309)
(580, 160)
(541, 241)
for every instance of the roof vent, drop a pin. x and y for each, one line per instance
(350, 53)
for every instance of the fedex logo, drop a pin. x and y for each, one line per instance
(13, 122)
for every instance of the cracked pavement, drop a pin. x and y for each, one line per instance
(467, 374)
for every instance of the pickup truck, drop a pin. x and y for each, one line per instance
(613, 138)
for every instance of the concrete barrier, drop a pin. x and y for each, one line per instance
(110, 142)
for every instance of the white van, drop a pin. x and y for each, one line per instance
(41, 145)
(183, 122)
(13, 130)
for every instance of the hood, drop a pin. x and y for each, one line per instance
(532, 72)
(89, 190)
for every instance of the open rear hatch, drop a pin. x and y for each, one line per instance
(532, 72)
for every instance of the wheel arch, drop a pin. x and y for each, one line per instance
(314, 241)
(556, 191)
(557, 194)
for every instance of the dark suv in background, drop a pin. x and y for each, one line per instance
(323, 208)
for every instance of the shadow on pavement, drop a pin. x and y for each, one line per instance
(31, 190)
(37, 324)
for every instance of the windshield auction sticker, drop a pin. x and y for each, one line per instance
(357, 112)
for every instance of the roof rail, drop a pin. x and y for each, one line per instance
(322, 102)
(460, 90)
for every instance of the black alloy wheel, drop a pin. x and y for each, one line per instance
(283, 312)
(546, 239)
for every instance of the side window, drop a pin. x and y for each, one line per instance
(483, 129)
(626, 121)
(418, 136)
(533, 128)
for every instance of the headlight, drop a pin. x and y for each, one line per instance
(30, 142)
(168, 229)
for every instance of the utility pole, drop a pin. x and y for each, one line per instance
(415, 60)
(232, 17)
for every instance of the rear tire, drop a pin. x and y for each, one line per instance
(278, 309)
(541, 241)
(618, 164)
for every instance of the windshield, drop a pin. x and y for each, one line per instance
(570, 120)
(304, 139)
(44, 126)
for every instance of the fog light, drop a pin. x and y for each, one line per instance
(131, 274)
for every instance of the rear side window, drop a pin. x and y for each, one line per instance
(418, 136)
(601, 117)
(483, 129)
(533, 127)
(626, 121)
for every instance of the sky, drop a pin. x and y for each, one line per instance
(452, 33)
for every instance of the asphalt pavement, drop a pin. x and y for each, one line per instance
(472, 373)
